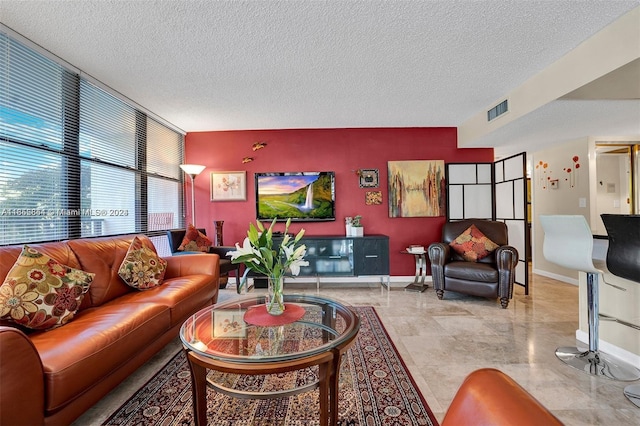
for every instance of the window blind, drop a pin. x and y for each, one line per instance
(164, 195)
(76, 160)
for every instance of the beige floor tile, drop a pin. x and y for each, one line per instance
(442, 341)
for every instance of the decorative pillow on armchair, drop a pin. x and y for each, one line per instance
(473, 245)
(40, 293)
(195, 240)
(141, 267)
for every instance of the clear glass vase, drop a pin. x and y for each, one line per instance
(275, 297)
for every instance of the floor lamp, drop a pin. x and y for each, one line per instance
(192, 170)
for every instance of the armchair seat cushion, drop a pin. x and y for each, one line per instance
(473, 288)
(471, 271)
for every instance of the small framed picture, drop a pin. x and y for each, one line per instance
(553, 184)
(229, 324)
(368, 178)
(229, 186)
(373, 198)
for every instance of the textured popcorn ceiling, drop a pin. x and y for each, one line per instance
(220, 65)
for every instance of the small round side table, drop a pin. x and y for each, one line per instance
(421, 272)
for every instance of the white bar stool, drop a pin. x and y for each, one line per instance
(568, 242)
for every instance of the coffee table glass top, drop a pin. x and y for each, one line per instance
(220, 332)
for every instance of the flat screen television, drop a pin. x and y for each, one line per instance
(301, 196)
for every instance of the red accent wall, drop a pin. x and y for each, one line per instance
(340, 150)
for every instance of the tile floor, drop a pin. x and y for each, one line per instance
(443, 341)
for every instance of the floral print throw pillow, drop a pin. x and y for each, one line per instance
(473, 245)
(41, 293)
(141, 267)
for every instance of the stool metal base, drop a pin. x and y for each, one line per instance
(416, 287)
(632, 392)
(596, 363)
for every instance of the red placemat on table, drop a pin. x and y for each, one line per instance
(258, 315)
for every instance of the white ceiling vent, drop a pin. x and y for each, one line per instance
(498, 110)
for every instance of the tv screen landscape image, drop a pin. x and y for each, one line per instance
(301, 196)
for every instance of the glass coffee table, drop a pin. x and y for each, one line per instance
(218, 338)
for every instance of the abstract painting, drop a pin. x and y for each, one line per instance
(416, 188)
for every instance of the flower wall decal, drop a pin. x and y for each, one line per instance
(572, 173)
(544, 174)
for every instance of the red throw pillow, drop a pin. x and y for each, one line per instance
(195, 240)
(473, 245)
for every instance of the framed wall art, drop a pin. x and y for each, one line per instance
(368, 178)
(373, 198)
(229, 186)
(416, 188)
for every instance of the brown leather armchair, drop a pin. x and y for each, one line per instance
(176, 236)
(490, 277)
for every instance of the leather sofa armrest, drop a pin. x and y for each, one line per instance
(490, 397)
(193, 264)
(21, 379)
(439, 254)
(506, 258)
(506, 262)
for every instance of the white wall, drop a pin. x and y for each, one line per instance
(569, 196)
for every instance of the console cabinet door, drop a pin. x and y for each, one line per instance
(328, 256)
(371, 255)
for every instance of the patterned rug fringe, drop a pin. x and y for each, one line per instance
(375, 389)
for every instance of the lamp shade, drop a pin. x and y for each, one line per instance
(192, 169)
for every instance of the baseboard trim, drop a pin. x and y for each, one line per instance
(557, 277)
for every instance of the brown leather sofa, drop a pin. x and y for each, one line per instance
(490, 277)
(52, 377)
(490, 397)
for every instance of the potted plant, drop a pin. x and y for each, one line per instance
(347, 225)
(356, 226)
(257, 254)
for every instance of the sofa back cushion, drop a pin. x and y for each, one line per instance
(103, 256)
(57, 251)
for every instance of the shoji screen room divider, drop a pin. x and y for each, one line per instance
(493, 191)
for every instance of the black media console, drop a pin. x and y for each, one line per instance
(339, 256)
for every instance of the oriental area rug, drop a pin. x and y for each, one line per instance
(375, 389)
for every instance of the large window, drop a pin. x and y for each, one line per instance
(77, 161)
